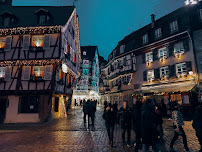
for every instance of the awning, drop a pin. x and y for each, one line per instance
(170, 87)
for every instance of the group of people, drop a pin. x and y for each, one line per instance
(89, 109)
(146, 121)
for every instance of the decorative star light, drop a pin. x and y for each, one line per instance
(187, 2)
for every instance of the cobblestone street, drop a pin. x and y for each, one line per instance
(69, 134)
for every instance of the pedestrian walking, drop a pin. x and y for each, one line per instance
(159, 121)
(86, 111)
(149, 127)
(197, 124)
(178, 123)
(92, 111)
(136, 117)
(105, 105)
(110, 119)
(126, 124)
(168, 107)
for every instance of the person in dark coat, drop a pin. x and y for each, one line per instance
(197, 124)
(110, 119)
(136, 117)
(105, 105)
(159, 120)
(148, 127)
(126, 124)
(86, 111)
(92, 111)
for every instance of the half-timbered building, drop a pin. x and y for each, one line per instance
(39, 61)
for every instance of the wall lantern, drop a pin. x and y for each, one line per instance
(64, 68)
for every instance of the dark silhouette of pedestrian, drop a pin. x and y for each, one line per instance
(159, 120)
(92, 111)
(81, 103)
(126, 124)
(110, 119)
(136, 117)
(148, 127)
(86, 110)
(178, 123)
(105, 105)
(197, 124)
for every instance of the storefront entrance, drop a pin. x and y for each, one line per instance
(2, 109)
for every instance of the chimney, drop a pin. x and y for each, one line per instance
(152, 20)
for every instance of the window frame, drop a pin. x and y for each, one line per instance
(183, 71)
(150, 55)
(2, 42)
(145, 39)
(41, 42)
(163, 70)
(158, 33)
(165, 52)
(176, 51)
(42, 19)
(174, 26)
(6, 21)
(122, 49)
(42, 72)
(84, 52)
(2, 72)
(150, 77)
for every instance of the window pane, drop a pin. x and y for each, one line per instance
(37, 41)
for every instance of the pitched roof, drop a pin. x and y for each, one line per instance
(26, 15)
(90, 52)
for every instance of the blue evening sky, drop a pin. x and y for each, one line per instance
(105, 22)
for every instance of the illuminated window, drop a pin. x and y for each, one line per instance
(122, 48)
(6, 21)
(164, 72)
(149, 57)
(37, 40)
(68, 49)
(158, 33)
(201, 14)
(178, 48)
(150, 75)
(2, 42)
(42, 20)
(173, 26)
(181, 69)
(38, 71)
(61, 74)
(163, 52)
(84, 52)
(145, 39)
(2, 72)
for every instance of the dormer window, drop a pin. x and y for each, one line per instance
(7, 18)
(6, 21)
(158, 33)
(145, 39)
(42, 20)
(84, 52)
(122, 48)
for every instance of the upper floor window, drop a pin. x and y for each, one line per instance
(122, 48)
(158, 33)
(178, 49)
(42, 19)
(150, 75)
(2, 72)
(181, 69)
(37, 40)
(201, 14)
(149, 57)
(84, 52)
(2, 42)
(164, 72)
(114, 53)
(173, 26)
(6, 21)
(38, 71)
(163, 53)
(145, 39)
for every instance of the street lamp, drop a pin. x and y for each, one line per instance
(191, 73)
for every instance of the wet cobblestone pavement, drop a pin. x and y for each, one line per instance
(70, 135)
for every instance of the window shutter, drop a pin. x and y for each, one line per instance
(155, 54)
(157, 73)
(26, 72)
(26, 42)
(189, 66)
(65, 47)
(8, 73)
(48, 72)
(186, 45)
(8, 43)
(145, 76)
(172, 71)
(143, 59)
(46, 43)
(171, 49)
(57, 75)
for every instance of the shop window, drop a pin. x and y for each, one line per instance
(38, 71)
(164, 72)
(29, 104)
(2, 72)
(173, 26)
(150, 75)
(181, 69)
(2, 42)
(37, 41)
